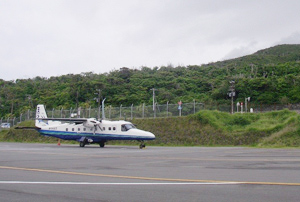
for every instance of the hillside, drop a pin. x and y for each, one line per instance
(270, 56)
(268, 76)
(206, 128)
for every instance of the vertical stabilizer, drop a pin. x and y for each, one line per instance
(40, 112)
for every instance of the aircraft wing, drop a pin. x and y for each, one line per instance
(75, 120)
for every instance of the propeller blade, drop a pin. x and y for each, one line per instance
(99, 127)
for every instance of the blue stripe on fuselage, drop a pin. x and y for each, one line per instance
(96, 138)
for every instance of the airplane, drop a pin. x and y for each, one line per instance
(88, 130)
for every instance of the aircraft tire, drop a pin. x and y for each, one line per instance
(81, 144)
(102, 144)
(142, 146)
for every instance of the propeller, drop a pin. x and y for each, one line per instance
(95, 126)
(93, 123)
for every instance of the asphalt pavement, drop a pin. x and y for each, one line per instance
(48, 172)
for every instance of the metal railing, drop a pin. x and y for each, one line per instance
(142, 111)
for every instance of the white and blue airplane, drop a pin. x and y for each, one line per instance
(88, 130)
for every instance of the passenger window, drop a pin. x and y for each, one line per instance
(72, 129)
(78, 129)
(114, 128)
(103, 128)
(84, 129)
(109, 128)
(67, 129)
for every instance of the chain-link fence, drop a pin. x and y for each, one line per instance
(143, 111)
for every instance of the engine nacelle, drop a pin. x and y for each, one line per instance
(90, 123)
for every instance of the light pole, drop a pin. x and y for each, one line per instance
(98, 100)
(154, 107)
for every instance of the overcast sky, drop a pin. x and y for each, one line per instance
(56, 37)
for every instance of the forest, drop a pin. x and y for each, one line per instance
(268, 76)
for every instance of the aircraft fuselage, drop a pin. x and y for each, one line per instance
(108, 130)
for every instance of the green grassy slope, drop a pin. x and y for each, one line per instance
(211, 128)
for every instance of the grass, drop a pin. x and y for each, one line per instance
(210, 128)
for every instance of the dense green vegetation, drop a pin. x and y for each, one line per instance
(267, 76)
(206, 128)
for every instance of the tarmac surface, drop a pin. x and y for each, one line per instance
(48, 172)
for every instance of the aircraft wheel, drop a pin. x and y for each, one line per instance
(142, 145)
(81, 144)
(102, 144)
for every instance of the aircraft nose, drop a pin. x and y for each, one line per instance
(151, 135)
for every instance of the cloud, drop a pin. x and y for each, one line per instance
(291, 39)
(50, 38)
(241, 51)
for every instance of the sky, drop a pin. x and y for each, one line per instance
(57, 37)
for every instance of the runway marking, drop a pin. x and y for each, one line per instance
(117, 183)
(149, 178)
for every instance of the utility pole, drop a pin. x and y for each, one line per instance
(154, 107)
(232, 93)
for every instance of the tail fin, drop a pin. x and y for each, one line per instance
(40, 112)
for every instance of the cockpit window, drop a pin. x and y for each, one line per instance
(126, 127)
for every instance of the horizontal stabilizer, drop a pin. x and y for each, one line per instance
(27, 128)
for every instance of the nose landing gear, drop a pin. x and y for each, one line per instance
(142, 145)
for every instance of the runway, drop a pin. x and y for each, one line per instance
(48, 172)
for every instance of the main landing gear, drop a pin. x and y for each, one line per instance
(142, 145)
(102, 143)
(83, 141)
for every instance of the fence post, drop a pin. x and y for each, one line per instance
(109, 112)
(167, 108)
(154, 108)
(260, 108)
(143, 113)
(131, 111)
(194, 106)
(120, 111)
